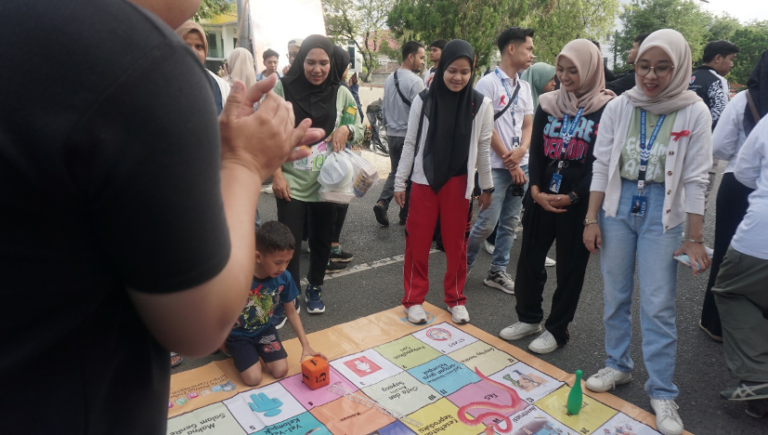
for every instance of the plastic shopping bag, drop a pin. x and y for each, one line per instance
(366, 174)
(336, 178)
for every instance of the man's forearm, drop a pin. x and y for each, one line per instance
(497, 145)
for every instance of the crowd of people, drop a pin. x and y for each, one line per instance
(154, 201)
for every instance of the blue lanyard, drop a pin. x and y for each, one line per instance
(506, 88)
(566, 133)
(645, 150)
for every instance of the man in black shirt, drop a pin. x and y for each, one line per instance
(708, 80)
(126, 225)
(627, 81)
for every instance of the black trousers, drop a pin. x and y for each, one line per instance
(388, 191)
(731, 207)
(540, 229)
(338, 223)
(320, 217)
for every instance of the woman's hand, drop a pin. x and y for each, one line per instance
(545, 200)
(484, 200)
(280, 187)
(340, 137)
(560, 201)
(593, 239)
(697, 254)
(400, 199)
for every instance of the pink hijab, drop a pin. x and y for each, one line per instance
(191, 26)
(589, 62)
(240, 67)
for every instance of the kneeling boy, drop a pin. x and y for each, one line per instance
(254, 337)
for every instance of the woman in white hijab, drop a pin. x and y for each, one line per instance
(649, 177)
(240, 67)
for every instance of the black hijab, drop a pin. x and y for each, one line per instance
(757, 86)
(341, 59)
(309, 101)
(450, 115)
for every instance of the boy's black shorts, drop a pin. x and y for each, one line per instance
(246, 350)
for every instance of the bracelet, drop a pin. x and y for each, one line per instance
(695, 241)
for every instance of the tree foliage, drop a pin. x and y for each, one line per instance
(360, 21)
(478, 22)
(752, 40)
(562, 21)
(209, 8)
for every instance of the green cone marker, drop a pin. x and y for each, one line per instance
(575, 397)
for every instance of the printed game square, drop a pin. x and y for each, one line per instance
(622, 424)
(215, 418)
(301, 424)
(262, 407)
(407, 352)
(312, 398)
(345, 416)
(396, 428)
(593, 414)
(530, 384)
(365, 368)
(445, 375)
(441, 418)
(484, 392)
(402, 393)
(487, 358)
(444, 337)
(534, 421)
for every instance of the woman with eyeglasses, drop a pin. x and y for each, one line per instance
(650, 173)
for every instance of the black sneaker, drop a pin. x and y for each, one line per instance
(380, 210)
(334, 267)
(341, 257)
(313, 297)
(278, 317)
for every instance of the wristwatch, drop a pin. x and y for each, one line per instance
(574, 198)
(491, 190)
(589, 222)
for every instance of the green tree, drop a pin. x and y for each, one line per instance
(209, 8)
(565, 20)
(752, 40)
(361, 21)
(722, 27)
(476, 21)
(641, 16)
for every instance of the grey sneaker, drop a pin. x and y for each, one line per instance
(746, 391)
(416, 314)
(488, 247)
(500, 280)
(519, 330)
(668, 420)
(548, 262)
(606, 379)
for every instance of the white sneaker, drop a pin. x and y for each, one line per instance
(606, 379)
(459, 314)
(548, 262)
(545, 343)
(519, 330)
(668, 420)
(710, 252)
(500, 280)
(416, 314)
(488, 247)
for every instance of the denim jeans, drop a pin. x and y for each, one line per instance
(504, 209)
(626, 239)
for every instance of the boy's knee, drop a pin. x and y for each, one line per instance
(279, 369)
(251, 378)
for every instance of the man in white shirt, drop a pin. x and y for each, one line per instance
(513, 107)
(435, 52)
(740, 290)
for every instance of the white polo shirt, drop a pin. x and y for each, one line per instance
(751, 237)
(510, 124)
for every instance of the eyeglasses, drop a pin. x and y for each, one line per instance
(643, 69)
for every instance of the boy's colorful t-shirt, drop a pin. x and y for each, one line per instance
(262, 300)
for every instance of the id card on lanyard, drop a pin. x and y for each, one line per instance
(639, 202)
(566, 133)
(515, 140)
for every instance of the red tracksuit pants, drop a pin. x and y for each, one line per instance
(425, 206)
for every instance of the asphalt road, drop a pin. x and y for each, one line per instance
(375, 284)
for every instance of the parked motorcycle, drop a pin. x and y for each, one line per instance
(375, 116)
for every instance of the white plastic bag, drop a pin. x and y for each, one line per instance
(336, 178)
(366, 174)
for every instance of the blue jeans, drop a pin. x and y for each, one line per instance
(627, 238)
(504, 209)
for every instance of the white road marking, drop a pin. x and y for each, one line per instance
(364, 267)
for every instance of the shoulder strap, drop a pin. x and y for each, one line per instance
(424, 112)
(399, 92)
(504, 110)
(752, 107)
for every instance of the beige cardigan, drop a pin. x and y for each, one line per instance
(687, 164)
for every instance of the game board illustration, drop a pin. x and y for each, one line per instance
(425, 380)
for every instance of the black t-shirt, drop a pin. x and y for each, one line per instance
(546, 146)
(622, 84)
(109, 178)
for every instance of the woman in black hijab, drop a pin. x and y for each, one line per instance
(449, 133)
(735, 124)
(312, 85)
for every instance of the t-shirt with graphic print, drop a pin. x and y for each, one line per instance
(630, 153)
(546, 147)
(264, 296)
